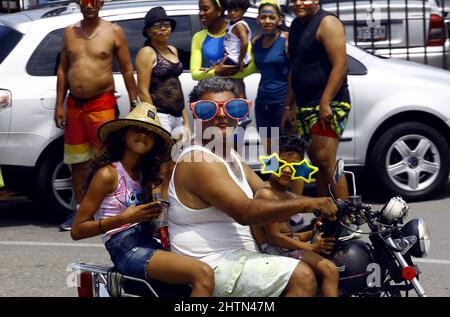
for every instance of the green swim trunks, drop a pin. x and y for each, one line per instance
(245, 273)
(308, 116)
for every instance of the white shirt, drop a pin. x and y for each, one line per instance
(232, 43)
(207, 234)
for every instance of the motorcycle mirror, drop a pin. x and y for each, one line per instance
(331, 193)
(338, 171)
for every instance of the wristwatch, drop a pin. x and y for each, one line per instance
(134, 103)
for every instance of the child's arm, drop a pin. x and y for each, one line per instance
(281, 240)
(304, 236)
(241, 31)
(105, 182)
(259, 233)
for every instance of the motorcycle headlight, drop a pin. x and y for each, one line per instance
(418, 227)
(396, 210)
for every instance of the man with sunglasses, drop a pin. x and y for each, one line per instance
(212, 205)
(86, 70)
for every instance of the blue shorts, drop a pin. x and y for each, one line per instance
(268, 115)
(131, 249)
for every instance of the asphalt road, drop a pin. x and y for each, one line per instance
(34, 254)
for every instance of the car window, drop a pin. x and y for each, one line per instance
(45, 58)
(355, 67)
(180, 38)
(8, 39)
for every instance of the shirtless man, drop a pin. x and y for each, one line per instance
(85, 69)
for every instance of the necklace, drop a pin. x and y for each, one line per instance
(92, 35)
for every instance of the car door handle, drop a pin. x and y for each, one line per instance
(117, 94)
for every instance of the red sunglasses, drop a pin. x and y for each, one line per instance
(85, 3)
(206, 110)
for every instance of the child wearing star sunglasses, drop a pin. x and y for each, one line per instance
(278, 238)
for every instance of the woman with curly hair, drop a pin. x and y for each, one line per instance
(118, 203)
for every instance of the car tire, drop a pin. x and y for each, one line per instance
(410, 159)
(54, 185)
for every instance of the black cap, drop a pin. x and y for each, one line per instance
(154, 15)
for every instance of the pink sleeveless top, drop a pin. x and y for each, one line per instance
(128, 192)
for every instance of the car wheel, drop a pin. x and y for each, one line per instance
(411, 159)
(54, 185)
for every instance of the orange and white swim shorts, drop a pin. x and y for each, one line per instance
(83, 118)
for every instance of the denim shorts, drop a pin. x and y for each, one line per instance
(131, 249)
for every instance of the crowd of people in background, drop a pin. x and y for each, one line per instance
(227, 226)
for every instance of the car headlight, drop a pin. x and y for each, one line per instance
(418, 227)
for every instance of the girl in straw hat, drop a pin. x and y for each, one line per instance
(118, 203)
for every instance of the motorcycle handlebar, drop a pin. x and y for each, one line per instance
(340, 204)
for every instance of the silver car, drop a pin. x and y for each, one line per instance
(399, 126)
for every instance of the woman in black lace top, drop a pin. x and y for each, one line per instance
(158, 70)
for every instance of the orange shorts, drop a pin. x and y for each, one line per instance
(83, 117)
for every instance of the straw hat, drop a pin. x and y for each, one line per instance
(143, 115)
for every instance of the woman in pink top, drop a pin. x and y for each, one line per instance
(119, 199)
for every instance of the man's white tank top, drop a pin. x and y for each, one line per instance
(207, 234)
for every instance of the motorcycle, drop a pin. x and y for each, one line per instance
(383, 266)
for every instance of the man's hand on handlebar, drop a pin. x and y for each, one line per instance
(325, 207)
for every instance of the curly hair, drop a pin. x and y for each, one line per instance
(214, 84)
(292, 143)
(112, 151)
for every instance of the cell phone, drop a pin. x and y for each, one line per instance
(165, 203)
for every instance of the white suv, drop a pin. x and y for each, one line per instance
(399, 126)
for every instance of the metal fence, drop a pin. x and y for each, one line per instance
(414, 30)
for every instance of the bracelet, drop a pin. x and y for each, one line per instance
(133, 104)
(100, 226)
(288, 108)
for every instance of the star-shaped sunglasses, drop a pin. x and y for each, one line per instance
(272, 164)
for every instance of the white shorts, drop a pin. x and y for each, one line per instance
(174, 125)
(252, 274)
